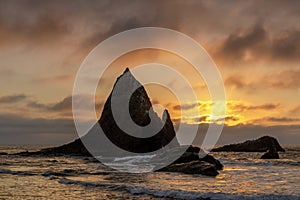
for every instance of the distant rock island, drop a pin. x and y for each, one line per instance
(264, 144)
(261, 144)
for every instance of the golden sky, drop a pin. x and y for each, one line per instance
(255, 44)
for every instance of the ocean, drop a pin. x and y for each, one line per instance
(245, 176)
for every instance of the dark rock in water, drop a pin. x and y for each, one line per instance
(194, 167)
(190, 155)
(271, 154)
(139, 109)
(262, 144)
(3, 153)
(210, 159)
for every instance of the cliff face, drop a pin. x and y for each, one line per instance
(139, 109)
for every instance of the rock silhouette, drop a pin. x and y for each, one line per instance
(262, 144)
(271, 154)
(139, 109)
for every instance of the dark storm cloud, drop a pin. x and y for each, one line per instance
(12, 98)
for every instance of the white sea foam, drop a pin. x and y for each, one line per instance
(135, 159)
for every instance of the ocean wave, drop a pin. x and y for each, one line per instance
(110, 186)
(71, 172)
(179, 194)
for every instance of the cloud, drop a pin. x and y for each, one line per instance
(296, 110)
(282, 79)
(185, 106)
(12, 98)
(275, 121)
(236, 82)
(285, 79)
(286, 46)
(65, 105)
(208, 118)
(236, 45)
(59, 78)
(282, 119)
(232, 105)
(44, 28)
(19, 130)
(241, 107)
(259, 43)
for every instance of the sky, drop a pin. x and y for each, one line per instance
(255, 44)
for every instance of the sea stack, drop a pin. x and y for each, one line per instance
(139, 108)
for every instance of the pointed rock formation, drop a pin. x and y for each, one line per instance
(139, 109)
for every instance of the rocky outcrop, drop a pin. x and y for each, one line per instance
(271, 154)
(189, 160)
(194, 167)
(262, 144)
(192, 154)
